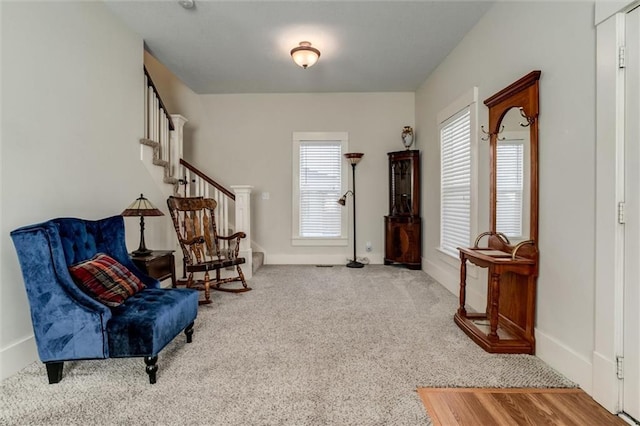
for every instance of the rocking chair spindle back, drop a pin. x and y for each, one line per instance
(203, 248)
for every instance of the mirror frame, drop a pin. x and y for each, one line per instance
(521, 94)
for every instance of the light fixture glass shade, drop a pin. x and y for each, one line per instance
(141, 207)
(305, 55)
(343, 200)
(354, 157)
(187, 4)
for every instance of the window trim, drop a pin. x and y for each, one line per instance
(297, 138)
(469, 100)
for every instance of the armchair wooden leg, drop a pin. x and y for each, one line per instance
(189, 332)
(152, 368)
(54, 371)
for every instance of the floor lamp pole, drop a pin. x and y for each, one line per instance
(354, 263)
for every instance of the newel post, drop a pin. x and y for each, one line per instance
(243, 223)
(176, 143)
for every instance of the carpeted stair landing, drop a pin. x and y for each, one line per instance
(308, 346)
(257, 261)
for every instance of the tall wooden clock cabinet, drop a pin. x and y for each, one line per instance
(403, 226)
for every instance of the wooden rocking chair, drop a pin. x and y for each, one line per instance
(195, 225)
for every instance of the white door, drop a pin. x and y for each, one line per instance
(631, 325)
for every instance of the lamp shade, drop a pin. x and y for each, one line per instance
(305, 55)
(141, 207)
(354, 157)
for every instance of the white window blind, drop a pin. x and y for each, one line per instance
(455, 190)
(509, 181)
(320, 186)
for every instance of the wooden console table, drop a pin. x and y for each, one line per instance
(507, 326)
(159, 264)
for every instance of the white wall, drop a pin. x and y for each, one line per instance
(512, 39)
(247, 139)
(70, 148)
(72, 90)
(178, 98)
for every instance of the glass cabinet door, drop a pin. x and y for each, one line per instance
(401, 191)
(404, 183)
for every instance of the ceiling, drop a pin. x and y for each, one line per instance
(243, 46)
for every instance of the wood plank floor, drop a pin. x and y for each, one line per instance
(498, 407)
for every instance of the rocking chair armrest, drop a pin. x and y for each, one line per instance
(237, 235)
(195, 240)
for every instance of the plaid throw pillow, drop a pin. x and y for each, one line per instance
(106, 280)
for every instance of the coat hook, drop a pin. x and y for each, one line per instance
(530, 120)
(489, 134)
(485, 138)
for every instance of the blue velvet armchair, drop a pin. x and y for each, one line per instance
(69, 324)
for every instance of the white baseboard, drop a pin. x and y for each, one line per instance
(317, 259)
(565, 360)
(445, 275)
(601, 385)
(17, 356)
(605, 382)
(257, 247)
(449, 277)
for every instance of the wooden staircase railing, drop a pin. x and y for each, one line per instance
(164, 133)
(158, 123)
(198, 184)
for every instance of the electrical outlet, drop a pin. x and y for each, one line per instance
(369, 247)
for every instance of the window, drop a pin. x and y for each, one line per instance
(319, 180)
(509, 183)
(457, 185)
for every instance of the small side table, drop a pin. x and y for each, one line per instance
(159, 264)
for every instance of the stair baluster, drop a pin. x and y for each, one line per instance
(187, 181)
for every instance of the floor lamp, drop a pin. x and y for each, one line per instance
(353, 158)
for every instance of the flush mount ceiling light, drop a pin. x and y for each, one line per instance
(187, 4)
(305, 55)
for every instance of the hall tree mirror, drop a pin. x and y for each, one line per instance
(509, 249)
(513, 141)
(513, 177)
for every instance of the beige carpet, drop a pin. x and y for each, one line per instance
(308, 346)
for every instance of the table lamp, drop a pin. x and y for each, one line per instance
(141, 207)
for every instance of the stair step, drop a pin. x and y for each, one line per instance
(258, 260)
(149, 142)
